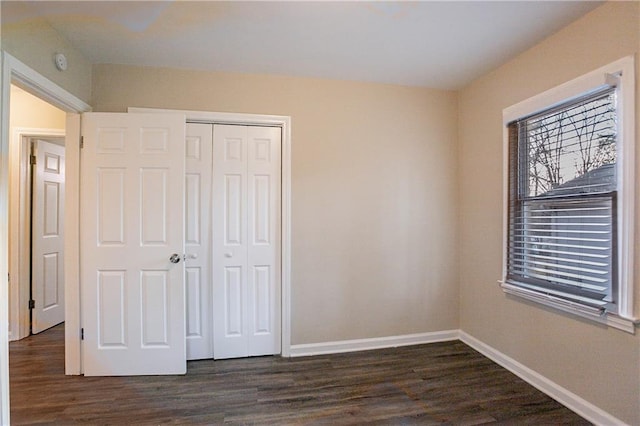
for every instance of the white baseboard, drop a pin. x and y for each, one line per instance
(555, 391)
(374, 343)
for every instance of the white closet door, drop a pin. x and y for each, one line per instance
(197, 240)
(47, 268)
(132, 237)
(246, 240)
(263, 240)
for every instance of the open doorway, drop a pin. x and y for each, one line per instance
(36, 218)
(36, 229)
(14, 71)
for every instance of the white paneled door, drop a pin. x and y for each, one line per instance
(132, 238)
(246, 240)
(47, 238)
(197, 240)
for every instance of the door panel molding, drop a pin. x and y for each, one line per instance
(283, 122)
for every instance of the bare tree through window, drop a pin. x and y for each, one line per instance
(569, 143)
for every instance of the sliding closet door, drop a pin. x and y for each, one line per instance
(246, 240)
(197, 240)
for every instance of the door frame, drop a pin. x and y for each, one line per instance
(15, 71)
(20, 209)
(284, 122)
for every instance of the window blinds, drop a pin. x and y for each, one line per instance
(562, 201)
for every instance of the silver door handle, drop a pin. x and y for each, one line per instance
(175, 258)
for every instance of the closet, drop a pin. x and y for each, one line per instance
(232, 240)
(181, 241)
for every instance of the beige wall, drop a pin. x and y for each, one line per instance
(601, 365)
(374, 191)
(34, 42)
(26, 112)
(29, 111)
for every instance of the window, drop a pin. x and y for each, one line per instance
(569, 197)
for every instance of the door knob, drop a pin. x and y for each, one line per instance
(228, 254)
(175, 258)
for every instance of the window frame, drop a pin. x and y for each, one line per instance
(620, 73)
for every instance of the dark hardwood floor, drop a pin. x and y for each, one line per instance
(439, 383)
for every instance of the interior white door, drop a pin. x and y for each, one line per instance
(198, 240)
(47, 236)
(246, 240)
(132, 224)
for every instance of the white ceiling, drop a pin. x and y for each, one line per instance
(434, 44)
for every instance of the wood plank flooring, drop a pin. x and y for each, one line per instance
(441, 383)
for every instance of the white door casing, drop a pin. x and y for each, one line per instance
(246, 240)
(132, 221)
(14, 70)
(47, 237)
(198, 147)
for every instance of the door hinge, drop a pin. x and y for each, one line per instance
(32, 160)
(32, 304)
(81, 142)
(82, 334)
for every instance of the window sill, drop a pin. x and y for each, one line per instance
(594, 314)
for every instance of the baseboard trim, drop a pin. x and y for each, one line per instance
(324, 348)
(552, 389)
(567, 398)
